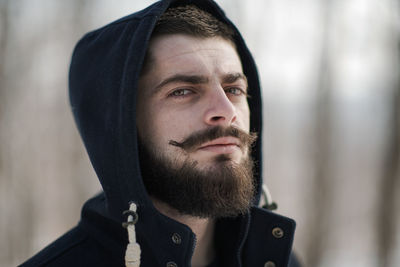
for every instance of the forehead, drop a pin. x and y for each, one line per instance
(186, 54)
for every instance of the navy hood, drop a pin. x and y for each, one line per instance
(103, 84)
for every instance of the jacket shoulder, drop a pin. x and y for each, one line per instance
(270, 238)
(75, 248)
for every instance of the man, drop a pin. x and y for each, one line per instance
(168, 104)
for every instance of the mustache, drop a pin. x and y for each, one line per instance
(194, 140)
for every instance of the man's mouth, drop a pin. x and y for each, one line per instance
(223, 140)
(223, 145)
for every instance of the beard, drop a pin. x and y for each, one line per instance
(225, 189)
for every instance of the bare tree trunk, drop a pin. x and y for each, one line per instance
(15, 200)
(4, 29)
(387, 213)
(4, 38)
(320, 216)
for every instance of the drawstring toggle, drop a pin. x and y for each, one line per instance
(132, 254)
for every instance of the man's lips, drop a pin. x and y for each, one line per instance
(221, 145)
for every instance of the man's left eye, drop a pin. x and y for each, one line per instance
(181, 92)
(234, 91)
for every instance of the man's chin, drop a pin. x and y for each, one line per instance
(217, 163)
(219, 185)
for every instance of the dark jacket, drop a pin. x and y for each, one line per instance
(104, 71)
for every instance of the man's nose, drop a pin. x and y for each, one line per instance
(220, 110)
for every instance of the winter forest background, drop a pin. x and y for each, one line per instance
(330, 75)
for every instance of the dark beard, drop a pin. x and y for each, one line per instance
(224, 190)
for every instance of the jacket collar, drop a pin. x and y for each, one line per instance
(249, 240)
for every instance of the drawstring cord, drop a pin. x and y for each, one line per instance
(132, 254)
(268, 202)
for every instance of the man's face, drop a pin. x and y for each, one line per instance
(193, 124)
(193, 84)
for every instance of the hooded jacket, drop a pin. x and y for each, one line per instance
(103, 81)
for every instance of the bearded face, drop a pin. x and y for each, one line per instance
(224, 189)
(193, 121)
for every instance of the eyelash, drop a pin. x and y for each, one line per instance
(241, 92)
(190, 91)
(172, 94)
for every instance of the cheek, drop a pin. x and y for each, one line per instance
(162, 126)
(244, 116)
(172, 126)
(147, 123)
(177, 121)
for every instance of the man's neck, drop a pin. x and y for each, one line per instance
(204, 251)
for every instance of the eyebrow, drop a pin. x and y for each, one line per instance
(233, 77)
(192, 79)
(198, 79)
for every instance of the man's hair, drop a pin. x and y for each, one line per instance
(192, 21)
(189, 20)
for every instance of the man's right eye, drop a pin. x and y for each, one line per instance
(180, 92)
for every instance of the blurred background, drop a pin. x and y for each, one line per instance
(331, 82)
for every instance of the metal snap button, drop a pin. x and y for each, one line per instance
(269, 264)
(176, 238)
(171, 264)
(277, 232)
